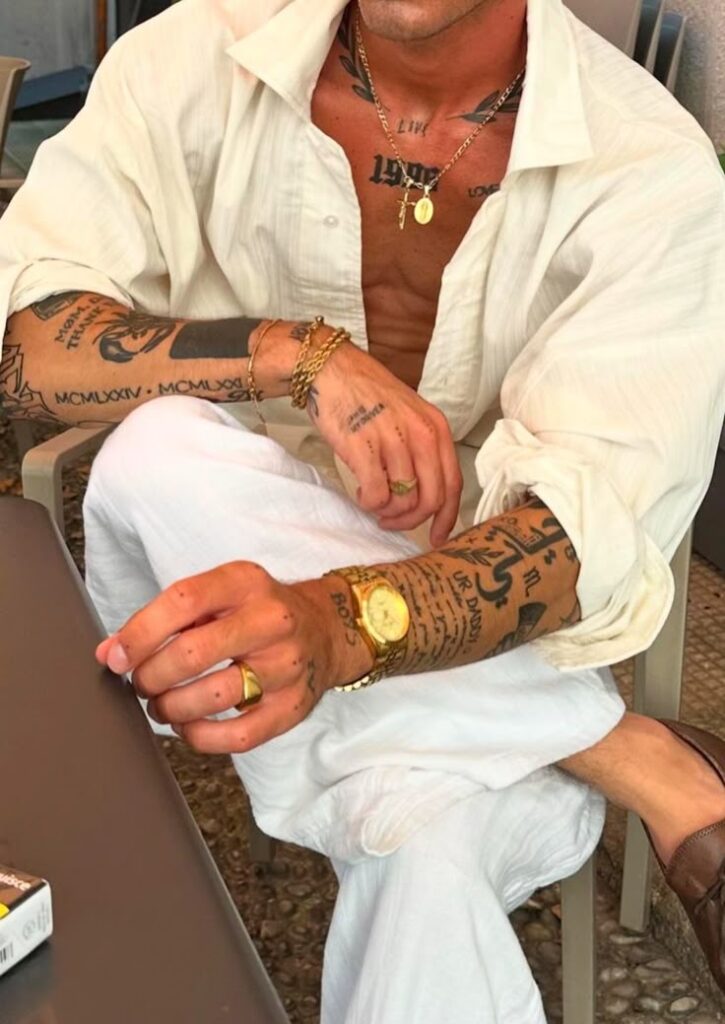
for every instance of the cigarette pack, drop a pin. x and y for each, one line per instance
(26, 916)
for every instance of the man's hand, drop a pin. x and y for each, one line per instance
(296, 638)
(383, 431)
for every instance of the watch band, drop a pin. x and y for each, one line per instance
(384, 663)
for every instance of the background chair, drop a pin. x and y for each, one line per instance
(648, 34)
(12, 71)
(616, 20)
(669, 53)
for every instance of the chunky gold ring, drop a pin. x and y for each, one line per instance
(402, 487)
(251, 687)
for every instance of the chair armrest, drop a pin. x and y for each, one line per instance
(658, 670)
(43, 466)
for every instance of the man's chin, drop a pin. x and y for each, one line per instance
(410, 21)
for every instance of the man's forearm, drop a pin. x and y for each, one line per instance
(84, 358)
(490, 589)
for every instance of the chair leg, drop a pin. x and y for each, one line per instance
(657, 692)
(579, 945)
(24, 437)
(636, 877)
(261, 846)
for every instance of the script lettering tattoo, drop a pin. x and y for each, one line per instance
(519, 545)
(387, 171)
(483, 191)
(408, 127)
(472, 599)
(214, 339)
(227, 389)
(344, 611)
(77, 398)
(531, 578)
(19, 399)
(350, 60)
(46, 309)
(361, 416)
(85, 315)
(481, 112)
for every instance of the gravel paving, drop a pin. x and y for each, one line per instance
(286, 905)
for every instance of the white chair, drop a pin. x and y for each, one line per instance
(12, 70)
(616, 20)
(657, 690)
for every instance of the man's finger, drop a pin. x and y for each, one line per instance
(399, 468)
(445, 519)
(428, 470)
(194, 651)
(210, 695)
(178, 607)
(374, 489)
(275, 714)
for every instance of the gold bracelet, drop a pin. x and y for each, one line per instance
(304, 374)
(312, 330)
(251, 383)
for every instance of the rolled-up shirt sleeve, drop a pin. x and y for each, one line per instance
(83, 219)
(612, 412)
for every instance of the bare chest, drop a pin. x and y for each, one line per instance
(402, 260)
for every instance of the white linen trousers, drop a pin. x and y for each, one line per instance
(432, 794)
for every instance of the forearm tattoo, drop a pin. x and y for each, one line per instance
(124, 334)
(19, 399)
(493, 588)
(96, 323)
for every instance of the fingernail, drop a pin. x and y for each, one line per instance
(117, 660)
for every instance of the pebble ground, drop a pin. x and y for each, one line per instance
(286, 906)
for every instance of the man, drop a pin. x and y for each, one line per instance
(558, 248)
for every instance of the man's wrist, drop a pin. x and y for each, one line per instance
(275, 358)
(349, 657)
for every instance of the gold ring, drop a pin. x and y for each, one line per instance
(251, 687)
(402, 487)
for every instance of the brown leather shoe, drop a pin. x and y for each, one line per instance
(696, 872)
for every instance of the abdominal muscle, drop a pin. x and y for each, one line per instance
(402, 270)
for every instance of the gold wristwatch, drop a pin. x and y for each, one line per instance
(382, 619)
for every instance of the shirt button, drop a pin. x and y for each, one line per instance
(331, 221)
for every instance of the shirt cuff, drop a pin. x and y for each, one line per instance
(625, 587)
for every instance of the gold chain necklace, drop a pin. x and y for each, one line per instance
(424, 209)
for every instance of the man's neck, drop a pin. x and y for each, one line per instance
(476, 56)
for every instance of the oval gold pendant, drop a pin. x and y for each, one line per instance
(424, 210)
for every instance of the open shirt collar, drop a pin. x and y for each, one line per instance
(286, 48)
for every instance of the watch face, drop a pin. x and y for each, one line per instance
(387, 614)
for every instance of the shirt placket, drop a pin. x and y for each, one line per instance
(328, 247)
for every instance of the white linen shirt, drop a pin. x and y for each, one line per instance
(586, 302)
